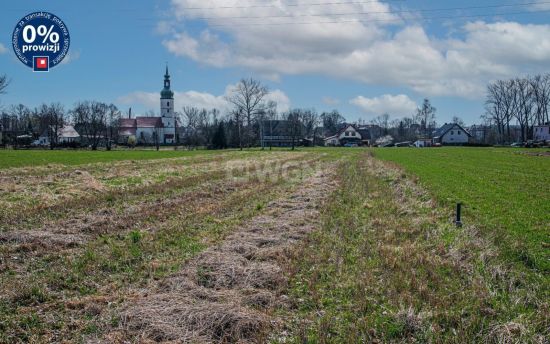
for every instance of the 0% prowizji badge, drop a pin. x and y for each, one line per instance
(41, 40)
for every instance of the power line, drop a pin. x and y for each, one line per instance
(379, 20)
(288, 5)
(376, 12)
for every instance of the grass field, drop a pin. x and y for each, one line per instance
(504, 191)
(22, 158)
(313, 245)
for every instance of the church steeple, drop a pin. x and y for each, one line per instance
(166, 93)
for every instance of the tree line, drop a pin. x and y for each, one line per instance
(521, 101)
(96, 122)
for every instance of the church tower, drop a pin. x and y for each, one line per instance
(167, 110)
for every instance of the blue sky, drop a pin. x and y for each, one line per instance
(361, 57)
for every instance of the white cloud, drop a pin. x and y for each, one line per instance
(3, 49)
(330, 100)
(71, 57)
(399, 105)
(540, 5)
(367, 50)
(151, 100)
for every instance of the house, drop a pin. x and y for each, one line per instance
(423, 142)
(152, 130)
(65, 135)
(347, 134)
(541, 132)
(278, 133)
(451, 133)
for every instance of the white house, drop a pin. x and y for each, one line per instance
(348, 134)
(451, 133)
(541, 132)
(65, 134)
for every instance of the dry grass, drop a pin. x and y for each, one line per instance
(62, 279)
(224, 293)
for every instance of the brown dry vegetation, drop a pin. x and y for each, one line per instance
(224, 294)
(59, 273)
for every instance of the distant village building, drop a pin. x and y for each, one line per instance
(349, 134)
(541, 132)
(66, 134)
(451, 133)
(277, 133)
(153, 130)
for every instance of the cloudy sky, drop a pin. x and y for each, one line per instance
(363, 57)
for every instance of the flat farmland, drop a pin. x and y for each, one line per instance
(21, 158)
(505, 191)
(312, 245)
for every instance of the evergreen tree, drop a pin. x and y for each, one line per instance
(219, 140)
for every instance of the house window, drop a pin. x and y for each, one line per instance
(347, 133)
(452, 132)
(353, 133)
(167, 103)
(458, 132)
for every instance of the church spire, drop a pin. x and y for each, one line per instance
(166, 93)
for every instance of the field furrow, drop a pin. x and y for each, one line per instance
(64, 275)
(225, 294)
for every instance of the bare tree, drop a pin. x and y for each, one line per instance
(4, 83)
(295, 126)
(383, 121)
(459, 121)
(310, 120)
(237, 116)
(248, 98)
(53, 118)
(525, 104)
(496, 107)
(332, 120)
(113, 120)
(540, 86)
(91, 117)
(191, 121)
(266, 116)
(426, 117)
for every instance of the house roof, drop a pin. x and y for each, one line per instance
(149, 122)
(330, 137)
(364, 132)
(446, 128)
(127, 123)
(276, 128)
(68, 131)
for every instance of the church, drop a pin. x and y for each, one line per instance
(152, 130)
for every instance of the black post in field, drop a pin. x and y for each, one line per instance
(458, 221)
